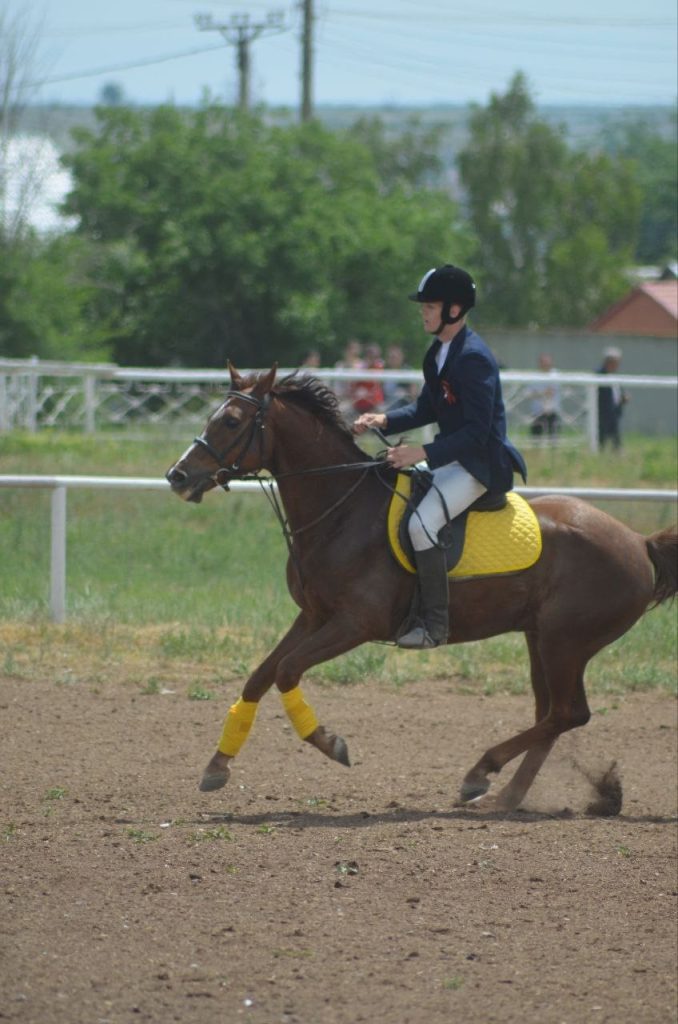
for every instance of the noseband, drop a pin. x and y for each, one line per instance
(256, 428)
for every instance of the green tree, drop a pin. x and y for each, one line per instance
(406, 157)
(45, 292)
(535, 206)
(219, 236)
(655, 160)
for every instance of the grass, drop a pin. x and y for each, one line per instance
(158, 588)
(140, 836)
(210, 835)
(56, 793)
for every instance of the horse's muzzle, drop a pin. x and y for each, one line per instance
(186, 488)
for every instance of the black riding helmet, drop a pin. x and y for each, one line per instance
(450, 285)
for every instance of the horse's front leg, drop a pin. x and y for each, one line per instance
(337, 636)
(300, 649)
(240, 717)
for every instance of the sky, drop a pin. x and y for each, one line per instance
(366, 52)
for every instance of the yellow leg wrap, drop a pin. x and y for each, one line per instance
(301, 715)
(237, 726)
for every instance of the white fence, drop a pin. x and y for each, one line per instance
(94, 396)
(59, 485)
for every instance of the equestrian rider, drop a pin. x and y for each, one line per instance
(471, 453)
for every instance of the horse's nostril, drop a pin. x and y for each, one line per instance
(176, 476)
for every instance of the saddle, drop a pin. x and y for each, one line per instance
(497, 534)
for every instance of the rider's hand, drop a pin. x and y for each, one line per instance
(368, 420)
(404, 455)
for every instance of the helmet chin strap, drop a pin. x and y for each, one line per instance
(446, 319)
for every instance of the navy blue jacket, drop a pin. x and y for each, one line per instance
(610, 408)
(465, 401)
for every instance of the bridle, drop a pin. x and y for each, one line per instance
(256, 429)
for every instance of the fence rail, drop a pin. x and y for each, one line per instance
(92, 396)
(59, 485)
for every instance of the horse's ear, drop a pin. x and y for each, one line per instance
(236, 380)
(265, 383)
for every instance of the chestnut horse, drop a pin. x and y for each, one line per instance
(594, 578)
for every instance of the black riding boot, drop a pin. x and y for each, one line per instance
(432, 629)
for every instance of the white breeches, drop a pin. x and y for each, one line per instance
(459, 489)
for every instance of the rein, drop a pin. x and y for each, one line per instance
(267, 485)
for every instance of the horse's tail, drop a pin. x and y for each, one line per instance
(662, 547)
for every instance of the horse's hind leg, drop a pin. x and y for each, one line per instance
(508, 798)
(560, 704)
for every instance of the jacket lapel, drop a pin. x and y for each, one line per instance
(429, 366)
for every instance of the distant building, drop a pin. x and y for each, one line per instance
(650, 310)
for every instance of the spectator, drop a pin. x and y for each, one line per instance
(397, 393)
(310, 360)
(351, 359)
(611, 401)
(368, 395)
(546, 416)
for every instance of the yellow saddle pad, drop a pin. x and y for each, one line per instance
(496, 542)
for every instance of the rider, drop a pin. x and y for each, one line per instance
(471, 453)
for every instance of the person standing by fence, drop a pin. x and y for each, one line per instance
(546, 416)
(611, 401)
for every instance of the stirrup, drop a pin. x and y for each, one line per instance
(417, 639)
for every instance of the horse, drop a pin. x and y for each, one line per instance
(594, 579)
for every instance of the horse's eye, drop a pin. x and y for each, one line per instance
(231, 421)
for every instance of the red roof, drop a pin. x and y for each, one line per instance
(650, 309)
(665, 293)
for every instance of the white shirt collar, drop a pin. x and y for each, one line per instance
(441, 354)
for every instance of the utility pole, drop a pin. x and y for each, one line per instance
(307, 60)
(239, 31)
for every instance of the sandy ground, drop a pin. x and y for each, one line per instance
(308, 893)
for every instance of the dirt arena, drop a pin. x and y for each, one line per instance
(308, 893)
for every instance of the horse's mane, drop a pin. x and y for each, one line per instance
(313, 395)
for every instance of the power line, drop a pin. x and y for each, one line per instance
(421, 70)
(106, 30)
(482, 15)
(483, 41)
(112, 69)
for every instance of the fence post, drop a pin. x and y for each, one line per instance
(32, 395)
(90, 386)
(4, 404)
(57, 598)
(592, 416)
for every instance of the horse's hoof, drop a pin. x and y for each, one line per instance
(330, 745)
(213, 780)
(340, 751)
(472, 789)
(216, 774)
